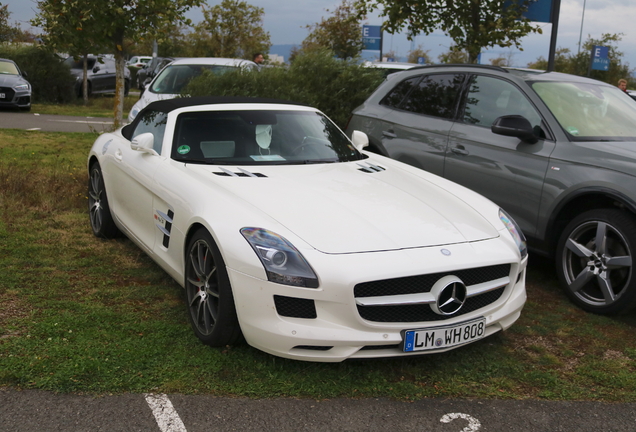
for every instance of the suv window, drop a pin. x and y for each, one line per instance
(489, 98)
(435, 95)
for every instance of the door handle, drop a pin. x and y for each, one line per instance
(389, 134)
(459, 151)
(119, 155)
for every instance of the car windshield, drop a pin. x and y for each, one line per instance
(590, 112)
(174, 78)
(260, 137)
(8, 68)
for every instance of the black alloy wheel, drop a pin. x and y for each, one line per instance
(209, 298)
(595, 261)
(101, 219)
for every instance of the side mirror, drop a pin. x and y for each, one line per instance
(96, 69)
(514, 126)
(24, 74)
(144, 143)
(360, 139)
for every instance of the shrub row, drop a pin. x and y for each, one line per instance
(317, 79)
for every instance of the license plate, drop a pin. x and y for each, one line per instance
(2, 96)
(434, 338)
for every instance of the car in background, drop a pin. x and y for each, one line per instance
(174, 77)
(632, 94)
(556, 151)
(101, 74)
(390, 67)
(138, 61)
(150, 69)
(15, 90)
(283, 230)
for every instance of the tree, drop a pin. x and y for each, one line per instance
(341, 33)
(578, 64)
(9, 33)
(116, 21)
(472, 24)
(232, 29)
(70, 26)
(453, 56)
(414, 55)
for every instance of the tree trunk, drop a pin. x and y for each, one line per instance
(85, 80)
(120, 65)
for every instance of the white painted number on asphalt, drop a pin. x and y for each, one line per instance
(473, 424)
(165, 414)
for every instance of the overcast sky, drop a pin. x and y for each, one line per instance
(285, 20)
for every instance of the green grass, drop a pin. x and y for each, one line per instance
(98, 106)
(79, 314)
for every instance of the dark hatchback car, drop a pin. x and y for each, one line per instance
(15, 90)
(556, 151)
(152, 68)
(100, 75)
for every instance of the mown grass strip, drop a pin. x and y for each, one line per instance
(79, 314)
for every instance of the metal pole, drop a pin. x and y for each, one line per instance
(581, 34)
(554, 19)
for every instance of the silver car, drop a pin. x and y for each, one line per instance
(556, 151)
(15, 90)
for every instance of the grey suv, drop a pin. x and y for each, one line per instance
(558, 152)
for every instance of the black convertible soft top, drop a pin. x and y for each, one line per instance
(168, 105)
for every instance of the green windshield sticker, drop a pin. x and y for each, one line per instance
(184, 149)
(573, 130)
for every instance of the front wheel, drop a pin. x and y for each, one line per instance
(209, 298)
(594, 261)
(102, 221)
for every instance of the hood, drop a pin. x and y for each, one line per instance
(339, 208)
(11, 80)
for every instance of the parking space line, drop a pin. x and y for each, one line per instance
(167, 417)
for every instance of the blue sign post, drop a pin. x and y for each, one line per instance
(372, 38)
(600, 58)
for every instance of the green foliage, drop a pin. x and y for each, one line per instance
(232, 29)
(579, 64)
(453, 56)
(340, 33)
(472, 24)
(50, 79)
(315, 78)
(417, 53)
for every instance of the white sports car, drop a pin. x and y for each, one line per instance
(285, 232)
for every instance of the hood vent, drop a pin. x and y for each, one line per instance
(370, 168)
(241, 173)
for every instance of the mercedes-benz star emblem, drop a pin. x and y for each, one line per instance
(451, 298)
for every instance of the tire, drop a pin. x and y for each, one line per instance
(101, 219)
(599, 277)
(209, 299)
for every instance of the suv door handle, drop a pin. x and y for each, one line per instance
(459, 151)
(389, 134)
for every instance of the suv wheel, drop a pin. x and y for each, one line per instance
(594, 261)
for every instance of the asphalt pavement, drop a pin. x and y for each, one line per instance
(32, 410)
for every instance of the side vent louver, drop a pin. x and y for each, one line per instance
(370, 168)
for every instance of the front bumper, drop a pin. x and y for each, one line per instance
(15, 99)
(325, 324)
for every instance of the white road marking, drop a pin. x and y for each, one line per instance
(165, 414)
(81, 121)
(34, 129)
(473, 424)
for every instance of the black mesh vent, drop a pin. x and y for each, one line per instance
(295, 307)
(313, 347)
(424, 283)
(417, 313)
(239, 174)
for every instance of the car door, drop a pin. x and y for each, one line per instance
(416, 130)
(505, 169)
(132, 177)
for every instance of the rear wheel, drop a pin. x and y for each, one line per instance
(594, 261)
(209, 298)
(102, 221)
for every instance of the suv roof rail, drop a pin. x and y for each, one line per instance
(466, 65)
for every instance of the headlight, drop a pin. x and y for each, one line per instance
(282, 261)
(21, 87)
(515, 232)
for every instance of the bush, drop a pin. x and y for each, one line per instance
(50, 79)
(317, 79)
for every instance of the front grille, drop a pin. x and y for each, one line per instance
(424, 284)
(295, 307)
(8, 93)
